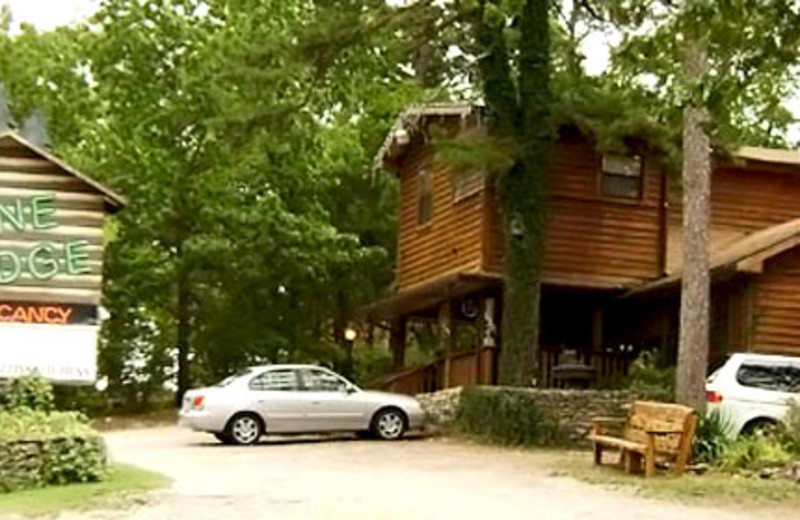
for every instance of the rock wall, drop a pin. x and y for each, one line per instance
(572, 410)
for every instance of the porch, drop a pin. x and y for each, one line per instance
(579, 333)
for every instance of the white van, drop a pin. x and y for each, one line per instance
(753, 391)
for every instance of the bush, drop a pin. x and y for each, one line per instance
(650, 381)
(754, 452)
(712, 438)
(791, 431)
(509, 416)
(32, 392)
(39, 447)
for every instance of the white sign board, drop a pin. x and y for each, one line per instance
(62, 354)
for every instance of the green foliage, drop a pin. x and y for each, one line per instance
(32, 392)
(712, 438)
(648, 380)
(791, 431)
(39, 448)
(754, 452)
(502, 415)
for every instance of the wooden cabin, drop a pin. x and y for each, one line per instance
(611, 268)
(51, 264)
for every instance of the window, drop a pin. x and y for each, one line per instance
(323, 381)
(779, 378)
(621, 176)
(467, 183)
(275, 380)
(233, 377)
(425, 197)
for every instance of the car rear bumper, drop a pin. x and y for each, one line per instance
(201, 421)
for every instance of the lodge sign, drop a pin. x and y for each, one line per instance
(44, 259)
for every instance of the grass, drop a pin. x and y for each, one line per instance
(712, 488)
(124, 483)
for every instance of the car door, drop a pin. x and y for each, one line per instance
(277, 396)
(333, 403)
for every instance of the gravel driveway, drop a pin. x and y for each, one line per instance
(420, 479)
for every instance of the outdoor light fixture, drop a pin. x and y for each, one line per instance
(350, 334)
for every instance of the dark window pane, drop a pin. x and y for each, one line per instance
(780, 378)
(621, 186)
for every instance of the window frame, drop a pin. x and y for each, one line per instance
(308, 388)
(603, 174)
(425, 197)
(472, 188)
(297, 382)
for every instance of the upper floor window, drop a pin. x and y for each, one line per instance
(621, 176)
(467, 183)
(425, 197)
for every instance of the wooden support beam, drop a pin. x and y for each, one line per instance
(446, 339)
(480, 339)
(397, 343)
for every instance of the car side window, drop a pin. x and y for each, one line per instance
(275, 380)
(778, 378)
(322, 381)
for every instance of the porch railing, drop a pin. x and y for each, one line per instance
(608, 366)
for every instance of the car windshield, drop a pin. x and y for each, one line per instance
(236, 375)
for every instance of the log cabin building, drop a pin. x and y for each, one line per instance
(611, 277)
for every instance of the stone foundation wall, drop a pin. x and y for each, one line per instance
(573, 410)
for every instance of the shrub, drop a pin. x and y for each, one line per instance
(712, 438)
(648, 380)
(754, 452)
(39, 448)
(32, 392)
(509, 416)
(791, 432)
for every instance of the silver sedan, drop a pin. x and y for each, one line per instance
(283, 399)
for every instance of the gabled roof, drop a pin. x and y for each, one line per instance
(112, 198)
(746, 255)
(411, 121)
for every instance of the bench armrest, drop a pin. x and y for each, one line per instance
(599, 424)
(665, 431)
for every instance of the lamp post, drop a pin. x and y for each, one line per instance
(349, 338)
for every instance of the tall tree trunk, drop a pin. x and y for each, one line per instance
(183, 314)
(523, 200)
(695, 289)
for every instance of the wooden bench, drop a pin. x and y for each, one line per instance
(653, 431)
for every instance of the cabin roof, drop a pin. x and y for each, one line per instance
(113, 199)
(745, 255)
(410, 121)
(769, 155)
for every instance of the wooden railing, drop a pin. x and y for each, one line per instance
(607, 366)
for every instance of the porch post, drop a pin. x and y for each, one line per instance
(446, 339)
(397, 342)
(480, 338)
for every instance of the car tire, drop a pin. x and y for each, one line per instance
(223, 437)
(389, 424)
(244, 429)
(763, 427)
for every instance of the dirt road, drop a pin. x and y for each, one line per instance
(364, 480)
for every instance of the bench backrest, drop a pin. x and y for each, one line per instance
(647, 416)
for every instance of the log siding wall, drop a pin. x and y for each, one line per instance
(776, 310)
(79, 211)
(451, 241)
(593, 239)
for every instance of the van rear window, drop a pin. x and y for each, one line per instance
(779, 378)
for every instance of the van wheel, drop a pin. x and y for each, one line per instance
(762, 428)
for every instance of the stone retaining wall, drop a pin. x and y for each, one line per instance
(571, 409)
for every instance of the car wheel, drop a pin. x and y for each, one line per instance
(762, 428)
(244, 429)
(224, 438)
(389, 424)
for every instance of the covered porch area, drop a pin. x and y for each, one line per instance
(460, 317)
